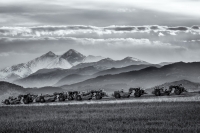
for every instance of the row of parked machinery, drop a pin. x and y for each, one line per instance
(97, 94)
(70, 95)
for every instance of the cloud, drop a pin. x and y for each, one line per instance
(42, 31)
(98, 13)
(4, 54)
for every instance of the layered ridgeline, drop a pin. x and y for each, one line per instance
(147, 77)
(110, 63)
(59, 77)
(46, 61)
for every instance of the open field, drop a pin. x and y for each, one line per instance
(127, 117)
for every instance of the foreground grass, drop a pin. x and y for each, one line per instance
(130, 117)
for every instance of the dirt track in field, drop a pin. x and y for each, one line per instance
(189, 97)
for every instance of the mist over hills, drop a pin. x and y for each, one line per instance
(74, 71)
(72, 79)
(146, 78)
(109, 63)
(50, 77)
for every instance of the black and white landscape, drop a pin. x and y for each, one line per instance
(75, 71)
(110, 45)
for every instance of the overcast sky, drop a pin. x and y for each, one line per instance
(154, 30)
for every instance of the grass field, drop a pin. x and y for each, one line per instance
(126, 117)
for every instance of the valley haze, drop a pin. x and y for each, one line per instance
(99, 66)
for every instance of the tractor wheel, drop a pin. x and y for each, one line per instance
(25, 101)
(137, 94)
(70, 98)
(117, 95)
(157, 93)
(78, 98)
(7, 102)
(42, 100)
(177, 91)
(98, 97)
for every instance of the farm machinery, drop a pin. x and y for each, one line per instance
(99, 94)
(28, 98)
(84, 96)
(178, 89)
(138, 91)
(71, 95)
(45, 98)
(159, 91)
(12, 100)
(75, 95)
(121, 94)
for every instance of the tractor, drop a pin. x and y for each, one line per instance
(138, 91)
(28, 98)
(159, 91)
(12, 100)
(84, 96)
(178, 89)
(45, 98)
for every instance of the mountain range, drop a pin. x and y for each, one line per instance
(110, 63)
(75, 71)
(146, 78)
(46, 61)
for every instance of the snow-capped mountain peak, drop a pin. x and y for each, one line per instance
(46, 61)
(50, 53)
(73, 57)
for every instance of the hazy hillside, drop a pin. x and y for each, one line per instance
(51, 77)
(46, 90)
(71, 79)
(146, 78)
(75, 78)
(109, 63)
(9, 89)
(123, 69)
